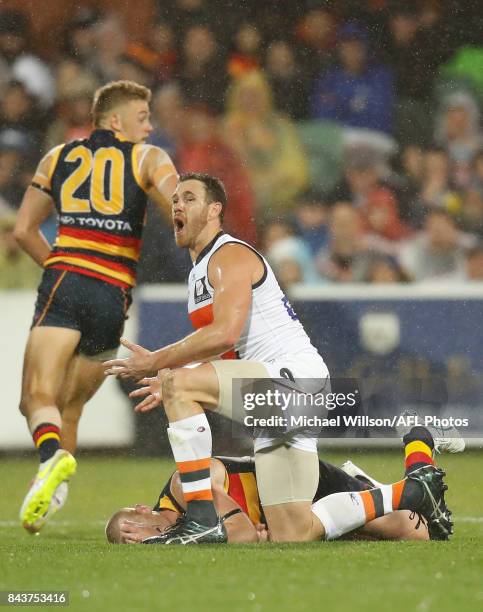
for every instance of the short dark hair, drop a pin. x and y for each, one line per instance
(215, 190)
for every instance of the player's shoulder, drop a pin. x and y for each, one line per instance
(54, 151)
(150, 152)
(232, 249)
(49, 160)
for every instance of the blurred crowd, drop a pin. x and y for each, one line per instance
(348, 134)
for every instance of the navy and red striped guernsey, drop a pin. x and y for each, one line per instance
(101, 206)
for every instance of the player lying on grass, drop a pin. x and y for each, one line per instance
(236, 499)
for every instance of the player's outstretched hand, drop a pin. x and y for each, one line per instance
(151, 393)
(138, 365)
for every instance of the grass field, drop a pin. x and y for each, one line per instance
(72, 554)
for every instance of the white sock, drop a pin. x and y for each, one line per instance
(191, 444)
(340, 513)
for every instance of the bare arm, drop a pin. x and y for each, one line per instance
(232, 271)
(159, 176)
(36, 207)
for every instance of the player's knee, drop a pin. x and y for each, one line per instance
(36, 397)
(23, 405)
(174, 385)
(113, 526)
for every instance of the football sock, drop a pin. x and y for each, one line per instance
(334, 480)
(47, 440)
(190, 441)
(418, 449)
(342, 512)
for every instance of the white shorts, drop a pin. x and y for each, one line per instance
(308, 370)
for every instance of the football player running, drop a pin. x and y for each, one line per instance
(98, 187)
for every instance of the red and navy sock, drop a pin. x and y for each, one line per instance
(47, 440)
(418, 449)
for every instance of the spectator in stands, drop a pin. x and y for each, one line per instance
(110, 43)
(288, 254)
(437, 190)
(466, 65)
(311, 214)
(472, 209)
(458, 131)
(156, 56)
(438, 252)
(204, 150)
(413, 72)
(417, 42)
(385, 269)
(477, 170)
(132, 69)
(358, 92)
(21, 64)
(19, 113)
(71, 74)
(287, 80)
(80, 37)
(163, 43)
(345, 259)
(190, 40)
(167, 119)
(75, 87)
(472, 213)
(247, 53)
(15, 147)
(412, 157)
(184, 14)
(316, 35)
(400, 50)
(74, 119)
(267, 143)
(363, 168)
(202, 74)
(409, 184)
(17, 269)
(381, 216)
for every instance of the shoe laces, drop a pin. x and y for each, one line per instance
(421, 520)
(178, 522)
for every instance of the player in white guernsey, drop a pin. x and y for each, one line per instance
(245, 328)
(238, 308)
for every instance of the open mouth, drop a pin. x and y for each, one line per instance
(178, 224)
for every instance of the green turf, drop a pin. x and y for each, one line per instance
(71, 553)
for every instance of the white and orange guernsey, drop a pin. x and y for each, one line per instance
(272, 328)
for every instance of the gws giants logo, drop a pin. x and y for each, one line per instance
(201, 292)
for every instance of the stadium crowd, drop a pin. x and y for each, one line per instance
(348, 134)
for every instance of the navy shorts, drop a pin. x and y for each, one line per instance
(95, 308)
